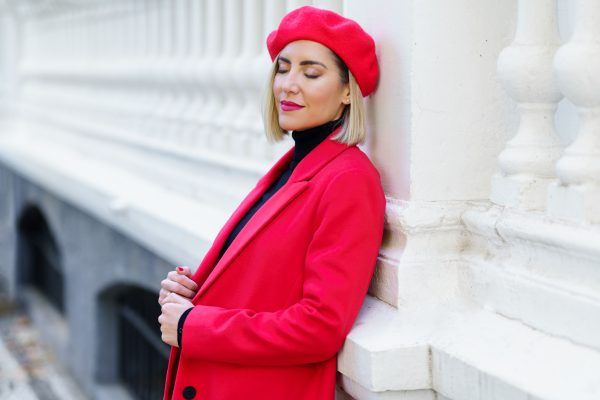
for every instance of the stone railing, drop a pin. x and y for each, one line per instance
(536, 172)
(166, 93)
(547, 193)
(534, 252)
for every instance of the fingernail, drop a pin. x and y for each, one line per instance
(179, 268)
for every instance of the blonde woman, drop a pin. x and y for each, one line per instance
(269, 307)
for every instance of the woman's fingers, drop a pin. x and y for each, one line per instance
(183, 280)
(162, 295)
(175, 287)
(178, 282)
(183, 270)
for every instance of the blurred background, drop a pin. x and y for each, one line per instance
(131, 129)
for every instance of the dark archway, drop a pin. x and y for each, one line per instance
(38, 257)
(130, 347)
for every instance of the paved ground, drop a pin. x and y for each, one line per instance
(28, 371)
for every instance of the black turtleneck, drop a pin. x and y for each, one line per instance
(308, 139)
(304, 142)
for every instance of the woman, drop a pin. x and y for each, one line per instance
(270, 305)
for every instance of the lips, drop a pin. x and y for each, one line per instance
(290, 106)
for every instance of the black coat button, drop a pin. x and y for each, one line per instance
(189, 392)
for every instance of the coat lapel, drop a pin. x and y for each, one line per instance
(298, 182)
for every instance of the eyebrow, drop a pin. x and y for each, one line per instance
(305, 62)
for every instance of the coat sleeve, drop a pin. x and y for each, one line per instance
(339, 263)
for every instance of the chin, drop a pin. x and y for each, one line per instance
(288, 126)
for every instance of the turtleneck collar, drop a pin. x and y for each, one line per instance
(308, 139)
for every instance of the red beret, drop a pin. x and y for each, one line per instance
(341, 35)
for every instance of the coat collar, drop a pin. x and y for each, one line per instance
(311, 164)
(297, 183)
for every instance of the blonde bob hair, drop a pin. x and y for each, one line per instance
(353, 128)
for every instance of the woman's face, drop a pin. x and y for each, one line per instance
(308, 76)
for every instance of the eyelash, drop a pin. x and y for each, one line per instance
(308, 76)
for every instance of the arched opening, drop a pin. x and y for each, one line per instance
(38, 257)
(131, 351)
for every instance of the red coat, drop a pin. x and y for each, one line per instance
(271, 315)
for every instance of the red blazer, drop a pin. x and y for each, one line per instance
(271, 315)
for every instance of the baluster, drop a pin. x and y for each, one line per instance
(207, 76)
(129, 22)
(224, 75)
(141, 28)
(153, 26)
(167, 30)
(333, 5)
(197, 31)
(154, 125)
(293, 4)
(274, 10)
(576, 195)
(247, 69)
(181, 89)
(165, 72)
(195, 68)
(525, 69)
(149, 96)
(94, 38)
(138, 62)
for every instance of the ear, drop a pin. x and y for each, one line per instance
(347, 90)
(346, 94)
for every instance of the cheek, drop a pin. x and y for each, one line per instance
(277, 84)
(320, 98)
(322, 92)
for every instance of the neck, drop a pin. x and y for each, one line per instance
(307, 139)
(326, 127)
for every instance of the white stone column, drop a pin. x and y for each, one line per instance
(576, 195)
(525, 69)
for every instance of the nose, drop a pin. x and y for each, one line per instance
(290, 83)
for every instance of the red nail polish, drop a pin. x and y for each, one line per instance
(179, 269)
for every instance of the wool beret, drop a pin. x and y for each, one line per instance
(341, 35)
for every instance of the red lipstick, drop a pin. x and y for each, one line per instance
(290, 106)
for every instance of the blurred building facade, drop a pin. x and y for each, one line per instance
(130, 130)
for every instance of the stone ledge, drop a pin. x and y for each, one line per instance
(518, 263)
(580, 240)
(463, 352)
(520, 295)
(177, 228)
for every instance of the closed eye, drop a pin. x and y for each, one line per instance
(308, 76)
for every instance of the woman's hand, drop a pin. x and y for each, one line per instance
(179, 282)
(174, 305)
